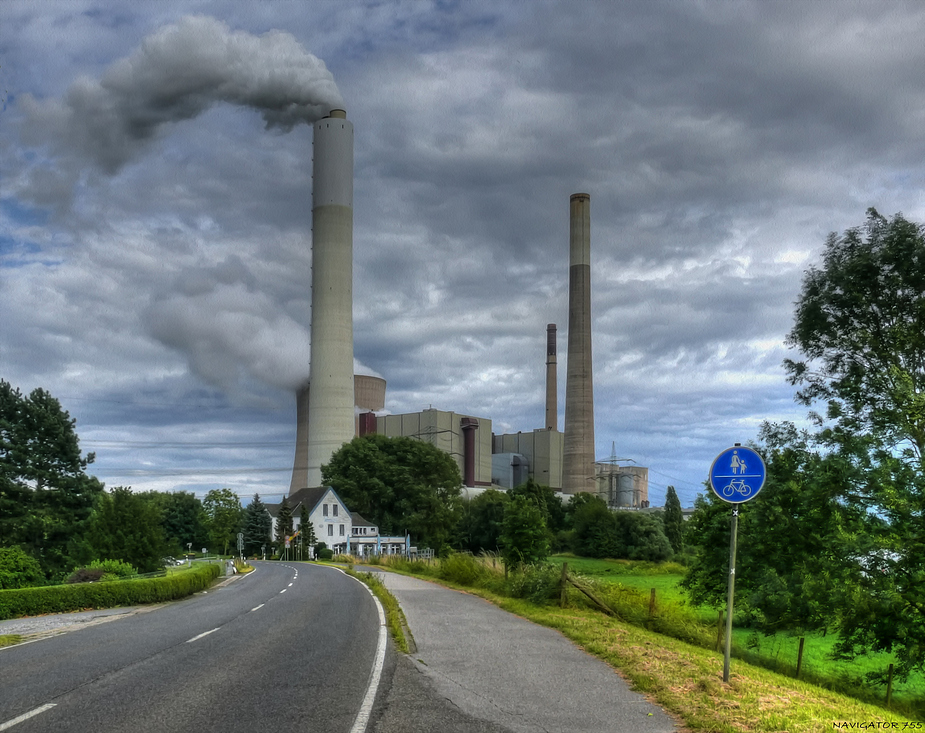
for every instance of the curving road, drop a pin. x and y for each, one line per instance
(288, 647)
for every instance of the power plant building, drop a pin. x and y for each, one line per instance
(542, 450)
(464, 437)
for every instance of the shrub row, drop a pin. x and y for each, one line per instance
(80, 596)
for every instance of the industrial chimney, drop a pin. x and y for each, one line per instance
(552, 396)
(578, 451)
(330, 413)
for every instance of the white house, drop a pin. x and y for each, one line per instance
(327, 513)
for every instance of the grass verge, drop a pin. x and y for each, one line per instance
(9, 639)
(394, 618)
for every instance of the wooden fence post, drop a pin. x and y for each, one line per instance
(563, 593)
(889, 687)
(800, 656)
(652, 603)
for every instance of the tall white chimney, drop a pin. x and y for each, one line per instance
(330, 410)
(578, 448)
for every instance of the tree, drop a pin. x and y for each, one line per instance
(258, 524)
(860, 323)
(673, 519)
(594, 527)
(284, 527)
(127, 527)
(46, 497)
(400, 484)
(184, 521)
(524, 538)
(307, 537)
(602, 532)
(483, 521)
(224, 517)
(860, 326)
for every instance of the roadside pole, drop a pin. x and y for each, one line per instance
(736, 476)
(731, 591)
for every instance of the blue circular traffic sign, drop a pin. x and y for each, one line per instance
(737, 474)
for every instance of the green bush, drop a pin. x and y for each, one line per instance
(325, 554)
(102, 570)
(79, 596)
(18, 569)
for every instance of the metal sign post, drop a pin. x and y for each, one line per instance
(736, 476)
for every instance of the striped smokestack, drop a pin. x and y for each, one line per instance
(330, 413)
(578, 451)
(552, 396)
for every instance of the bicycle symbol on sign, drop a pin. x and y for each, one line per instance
(737, 485)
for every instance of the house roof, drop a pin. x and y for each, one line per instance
(309, 497)
(358, 521)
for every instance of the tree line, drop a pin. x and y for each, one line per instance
(55, 517)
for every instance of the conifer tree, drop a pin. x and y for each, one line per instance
(673, 519)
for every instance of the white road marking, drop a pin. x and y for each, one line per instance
(284, 590)
(362, 719)
(290, 585)
(256, 608)
(25, 716)
(204, 633)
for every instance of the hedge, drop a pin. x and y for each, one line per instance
(82, 596)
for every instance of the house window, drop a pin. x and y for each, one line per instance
(324, 510)
(335, 509)
(330, 530)
(341, 530)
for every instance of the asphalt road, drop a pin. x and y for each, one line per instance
(288, 647)
(293, 647)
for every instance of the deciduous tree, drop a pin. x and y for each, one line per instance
(127, 527)
(524, 538)
(860, 328)
(224, 518)
(400, 484)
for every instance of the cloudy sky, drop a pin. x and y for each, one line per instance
(155, 210)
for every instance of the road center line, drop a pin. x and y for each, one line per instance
(204, 633)
(25, 716)
(284, 590)
(290, 585)
(256, 608)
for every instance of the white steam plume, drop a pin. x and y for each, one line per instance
(177, 73)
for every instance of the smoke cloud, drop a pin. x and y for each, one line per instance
(176, 74)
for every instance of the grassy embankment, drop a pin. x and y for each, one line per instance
(684, 678)
(778, 652)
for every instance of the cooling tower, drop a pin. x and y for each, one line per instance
(552, 395)
(578, 451)
(369, 396)
(330, 413)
